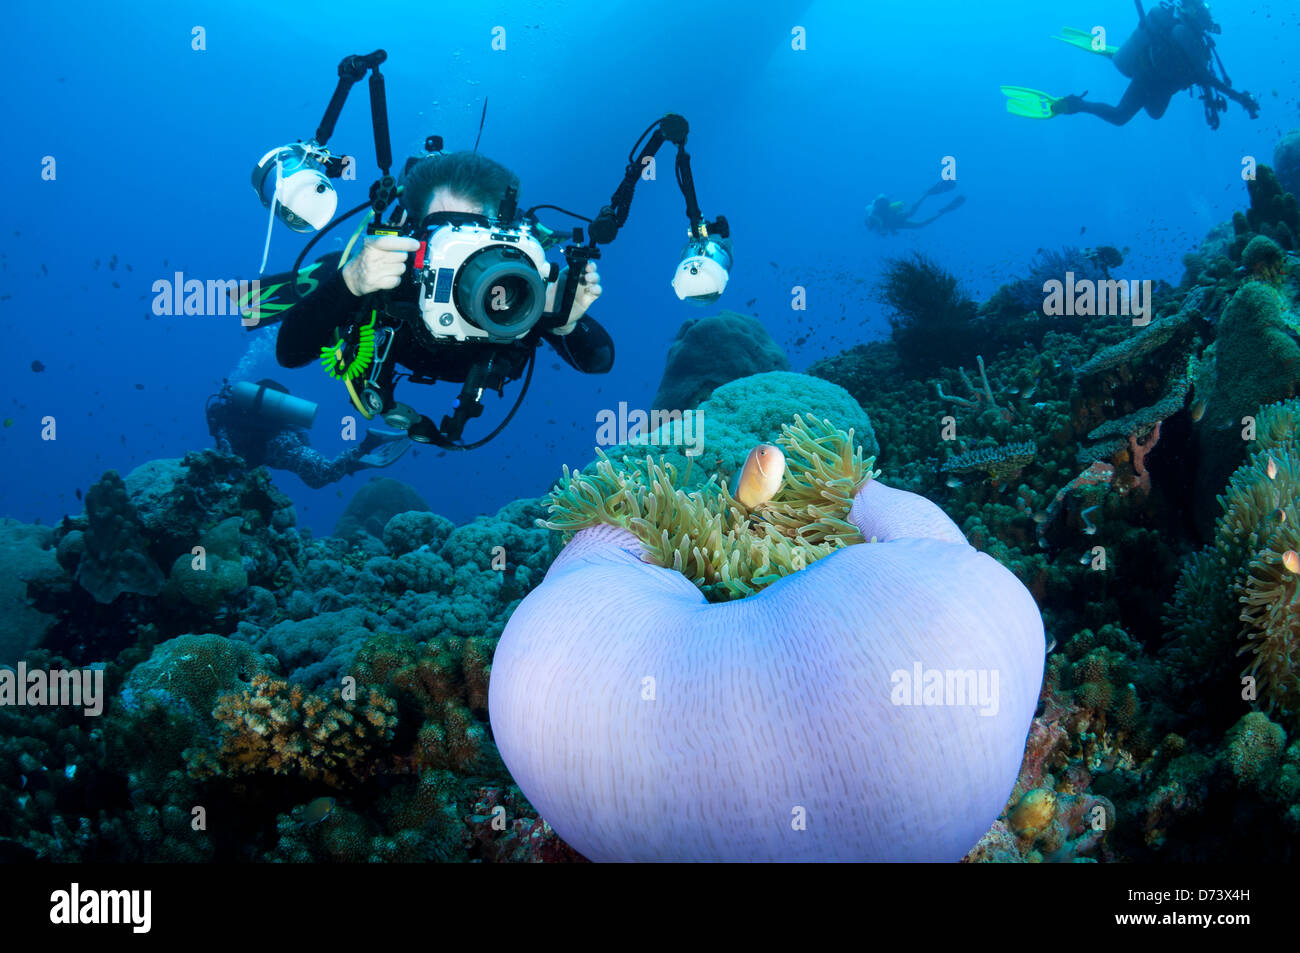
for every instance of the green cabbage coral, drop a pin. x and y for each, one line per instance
(725, 549)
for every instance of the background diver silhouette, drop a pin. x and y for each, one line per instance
(887, 217)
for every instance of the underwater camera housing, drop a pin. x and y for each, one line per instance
(480, 279)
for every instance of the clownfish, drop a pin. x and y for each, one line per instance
(760, 477)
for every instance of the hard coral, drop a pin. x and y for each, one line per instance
(709, 352)
(279, 728)
(1253, 747)
(116, 557)
(1264, 259)
(442, 687)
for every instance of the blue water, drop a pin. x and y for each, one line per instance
(154, 143)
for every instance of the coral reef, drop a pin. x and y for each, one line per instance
(1000, 464)
(1239, 587)
(441, 686)
(26, 552)
(742, 414)
(1273, 212)
(114, 554)
(1286, 161)
(208, 579)
(372, 506)
(1256, 362)
(709, 352)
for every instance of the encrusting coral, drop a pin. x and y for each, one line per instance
(706, 534)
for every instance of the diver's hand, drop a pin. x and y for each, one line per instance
(588, 291)
(380, 265)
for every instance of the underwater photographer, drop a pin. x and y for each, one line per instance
(455, 286)
(449, 193)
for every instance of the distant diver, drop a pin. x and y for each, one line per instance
(266, 425)
(1170, 51)
(887, 218)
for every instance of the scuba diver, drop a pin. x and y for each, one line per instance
(1171, 50)
(266, 425)
(453, 187)
(888, 217)
(451, 282)
(458, 186)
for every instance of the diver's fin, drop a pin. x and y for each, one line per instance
(1030, 103)
(943, 185)
(1084, 41)
(276, 294)
(952, 206)
(388, 451)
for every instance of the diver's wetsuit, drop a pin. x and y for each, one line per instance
(1164, 56)
(311, 325)
(281, 448)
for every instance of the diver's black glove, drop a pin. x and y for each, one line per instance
(1068, 105)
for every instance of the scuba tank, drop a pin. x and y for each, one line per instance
(1136, 53)
(272, 405)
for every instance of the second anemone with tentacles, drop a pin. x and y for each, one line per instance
(728, 550)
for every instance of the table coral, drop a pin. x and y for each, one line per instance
(1000, 464)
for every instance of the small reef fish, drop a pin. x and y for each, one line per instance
(317, 811)
(760, 477)
(1271, 469)
(1291, 560)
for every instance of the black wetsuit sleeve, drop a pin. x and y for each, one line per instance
(309, 325)
(587, 348)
